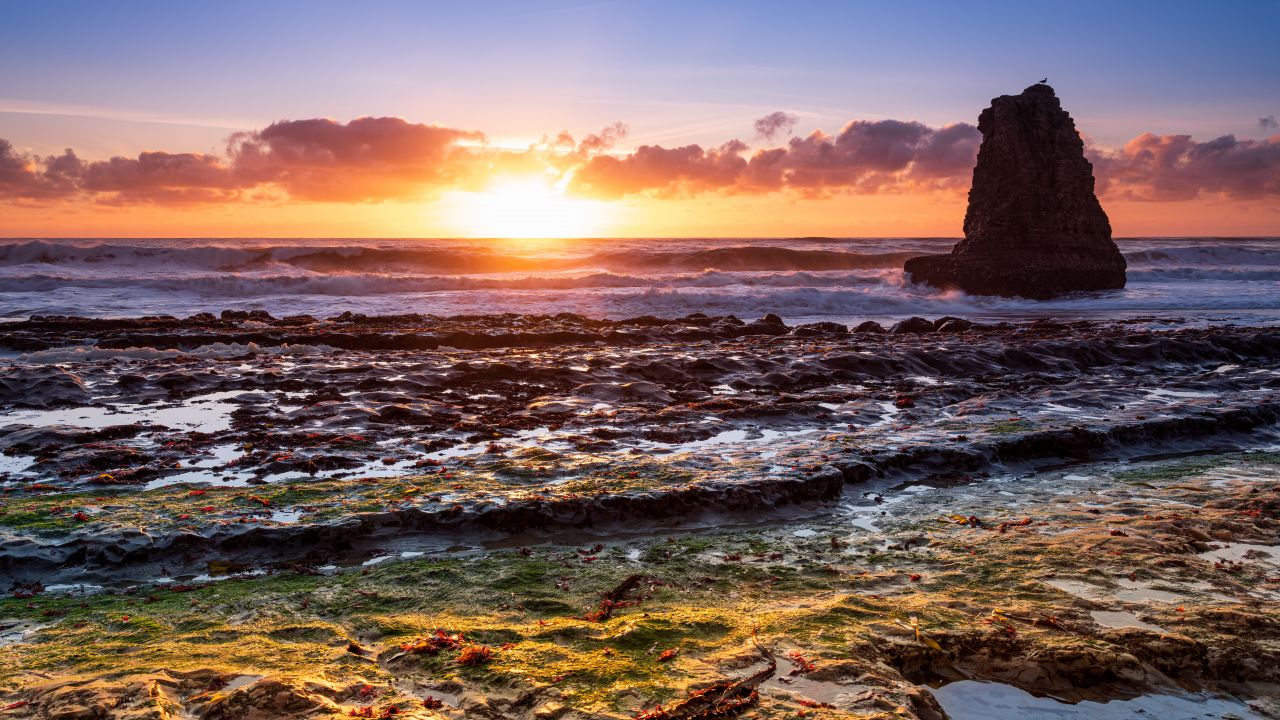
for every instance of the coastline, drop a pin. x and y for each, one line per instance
(227, 466)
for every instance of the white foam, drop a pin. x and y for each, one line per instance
(1228, 278)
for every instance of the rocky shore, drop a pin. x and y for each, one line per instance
(268, 509)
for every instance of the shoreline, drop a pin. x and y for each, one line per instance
(252, 497)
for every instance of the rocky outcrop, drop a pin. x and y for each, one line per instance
(1034, 227)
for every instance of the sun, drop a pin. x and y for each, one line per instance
(526, 207)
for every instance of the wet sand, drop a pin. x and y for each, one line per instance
(240, 512)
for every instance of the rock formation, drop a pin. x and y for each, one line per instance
(1034, 227)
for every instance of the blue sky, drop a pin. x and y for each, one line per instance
(122, 76)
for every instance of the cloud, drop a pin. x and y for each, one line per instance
(769, 126)
(866, 156)
(366, 159)
(652, 169)
(947, 153)
(604, 140)
(24, 178)
(1268, 123)
(874, 156)
(161, 177)
(377, 159)
(1175, 167)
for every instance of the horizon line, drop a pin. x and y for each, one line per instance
(600, 237)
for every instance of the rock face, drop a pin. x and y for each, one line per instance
(1034, 227)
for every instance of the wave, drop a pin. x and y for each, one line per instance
(1202, 256)
(362, 284)
(471, 258)
(600, 278)
(1185, 274)
(461, 260)
(878, 301)
(233, 285)
(753, 258)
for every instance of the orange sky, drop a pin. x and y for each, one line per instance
(388, 177)
(937, 214)
(413, 119)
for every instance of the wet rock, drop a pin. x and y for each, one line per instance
(250, 315)
(270, 698)
(768, 325)
(41, 387)
(25, 438)
(400, 414)
(820, 328)
(912, 325)
(22, 344)
(79, 712)
(869, 326)
(1034, 227)
(644, 392)
(550, 710)
(131, 381)
(296, 320)
(135, 697)
(953, 325)
(728, 326)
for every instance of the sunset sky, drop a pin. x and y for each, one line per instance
(614, 118)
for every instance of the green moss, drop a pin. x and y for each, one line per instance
(705, 603)
(1005, 427)
(1176, 470)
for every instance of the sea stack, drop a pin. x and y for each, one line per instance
(1034, 227)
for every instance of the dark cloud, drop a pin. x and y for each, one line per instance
(32, 179)
(687, 170)
(364, 160)
(373, 159)
(367, 159)
(870, 156)
(1268, 123)
(867, 156)
(771, 125)
(1175, 167)
(947, 153)
(161, 177)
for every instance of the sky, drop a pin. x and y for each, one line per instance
(615, 118)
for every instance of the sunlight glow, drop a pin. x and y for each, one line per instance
(526, 207)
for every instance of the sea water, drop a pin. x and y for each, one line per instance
(1197, 280)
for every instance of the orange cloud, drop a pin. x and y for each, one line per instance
(687, 170)
(865, 157)
(160, 177)
(1175, 168)
(377, 159)
(366, 159)
(876, 156)
(25, 178)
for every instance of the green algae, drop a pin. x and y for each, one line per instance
(706, 596)
(197, 506)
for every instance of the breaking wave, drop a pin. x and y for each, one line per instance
(466, 259)
(803, 277)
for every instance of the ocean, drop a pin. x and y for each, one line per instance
(607, 504)
(1193, 280)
